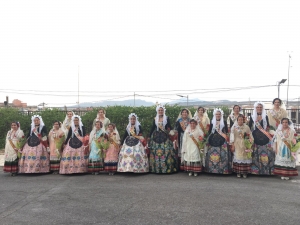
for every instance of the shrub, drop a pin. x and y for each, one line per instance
(116, 114)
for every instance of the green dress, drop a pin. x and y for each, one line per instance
(163, 156)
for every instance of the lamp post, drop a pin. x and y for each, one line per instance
(187, 99)
(280, 82)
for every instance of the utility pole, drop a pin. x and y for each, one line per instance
(287, 98)
(78, 89)
(187, 101)
(134, 99)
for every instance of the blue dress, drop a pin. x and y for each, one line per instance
(96, 163)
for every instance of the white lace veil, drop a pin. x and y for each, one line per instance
(189, 114)
(214, 120)
(73, 125)
(118, 139)
(33, 125)
(93, 132)
(291, 126)
(196, 114)
(66, 120)
(164, 117)
(263, 114)
(137, 123)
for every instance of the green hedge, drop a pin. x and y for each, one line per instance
(116, 114)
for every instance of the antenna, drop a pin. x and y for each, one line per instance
(78, 90)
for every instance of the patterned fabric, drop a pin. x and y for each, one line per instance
(111, 166)
(34, 160)
(285, 171)
(54, 165)
(133, 158)
(111, 159)
(73, 160)
(163, 156)
(263, 160)
(95, 166)
(241, 168)
(218, 160)
(11, 167)
(193, 167)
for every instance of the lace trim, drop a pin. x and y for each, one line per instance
(285, 163)
(246, 161)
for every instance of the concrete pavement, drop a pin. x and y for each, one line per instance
(148, 199)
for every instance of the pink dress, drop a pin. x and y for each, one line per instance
(35, 158)
(112, 154)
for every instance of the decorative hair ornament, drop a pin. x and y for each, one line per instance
(136, 125)
(218, 110)
(160, 106)
(33, 125)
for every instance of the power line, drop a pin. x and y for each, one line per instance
(141, 91)
(199, 91)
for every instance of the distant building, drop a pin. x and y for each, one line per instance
(19, 104)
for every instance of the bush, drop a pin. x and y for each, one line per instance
(116, 114)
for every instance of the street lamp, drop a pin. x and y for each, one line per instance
(280, 82)
(187, 99)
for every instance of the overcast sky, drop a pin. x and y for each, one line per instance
(126, 46)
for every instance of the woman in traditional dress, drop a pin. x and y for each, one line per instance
(232, 118)
(263, 154)
(277, 113)
(96, 155)
(218, 158)
(67, 123)
(101, 117)
(182, 122)
(11, 148)
(112, 153)
(242, 158)
(74, 158)
(202, 119)
(163, 156)
(191, 155)
(35, 158)
(56, 139)
(285, 164)
(133, 157)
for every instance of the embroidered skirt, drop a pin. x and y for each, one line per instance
(218, 160)
(285, 171)
(192, 167)
(54, 165)
(73, 160)
(111, 159)
(163, 156)
(95, 166)
(11, 167)
(241, 168)
(34, 160)
(133, 159)
(263, 160)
